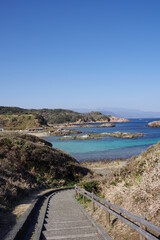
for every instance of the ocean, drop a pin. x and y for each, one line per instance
(110, 148)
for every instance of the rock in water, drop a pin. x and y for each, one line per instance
(154, 124)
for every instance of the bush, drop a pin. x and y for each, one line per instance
(92, 186)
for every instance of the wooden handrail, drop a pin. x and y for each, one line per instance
(145, 228)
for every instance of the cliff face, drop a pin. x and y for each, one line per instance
(28, 163)
(154, 124)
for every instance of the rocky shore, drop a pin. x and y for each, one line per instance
(107, 125)
(117, 119)
(110, 119)
(52, 122)
(63, 132)
(65, 129)
(91, 125)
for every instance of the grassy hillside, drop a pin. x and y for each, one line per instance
(136, 188)
(28, 163)
(52, 116)
(21, 121)
(56, 116)
(11, 110)
(95, 116)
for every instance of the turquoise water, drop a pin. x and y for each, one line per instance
(110, 148)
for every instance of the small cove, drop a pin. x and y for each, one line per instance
(108, 147)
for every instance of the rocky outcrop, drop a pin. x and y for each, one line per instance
(107, 125)
(102, 135)
(93, 126)
(122, 135)
(117, 119)
(154, 124)
(64, 132)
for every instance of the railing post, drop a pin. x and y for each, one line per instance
(93, 204)
(83, 199)
(76, 190)
(144, 228)
(108, 218)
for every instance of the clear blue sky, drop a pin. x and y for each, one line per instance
(80, 53)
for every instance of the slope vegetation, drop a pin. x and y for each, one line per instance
(136, 188)
(28, 163)
(21, 121)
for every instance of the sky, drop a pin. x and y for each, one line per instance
(80, 54)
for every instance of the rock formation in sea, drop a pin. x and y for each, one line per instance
(154, 124)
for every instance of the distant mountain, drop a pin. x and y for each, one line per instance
(123, 112)
(131, 113)
(15, 117)
(85, 110)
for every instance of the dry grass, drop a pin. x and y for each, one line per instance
(28, 163)
(105, 168)
(136, 189)
(21, 121)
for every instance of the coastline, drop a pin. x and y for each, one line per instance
(105, 150)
